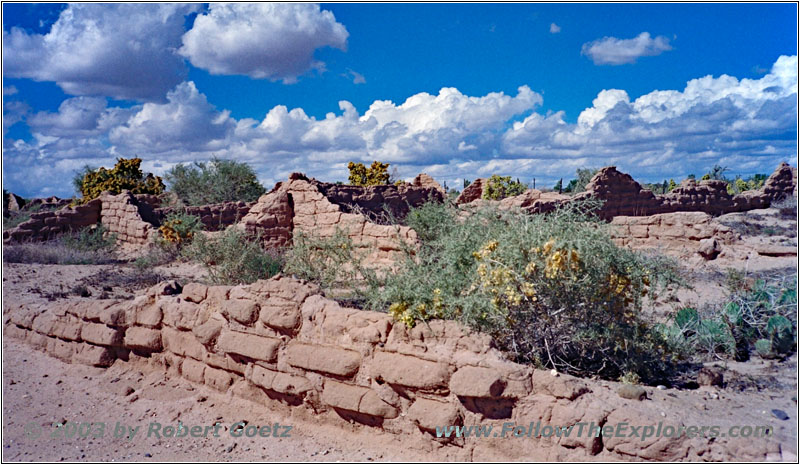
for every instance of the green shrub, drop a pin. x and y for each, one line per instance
(180, 227)
(500, 187)
(216, 181)
(332, 262)
(231, 257)
(552, 289)
(126, 174)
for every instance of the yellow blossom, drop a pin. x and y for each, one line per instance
(528, 289)
(530, 268)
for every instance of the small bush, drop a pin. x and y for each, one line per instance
(787, 207)
(126, 174)
(376, 174)
(500, 187)
(552, 289)
(231, 257)
(179, 228)
(85, 247)
(332, 262)
(157, 254)
(214, 182)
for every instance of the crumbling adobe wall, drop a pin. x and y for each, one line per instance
(472, 192)
(679, 234)
(125, 216)
(375, 201)
(300, 204)
(623, 196)
(48, 224)
(215, 217)
(279, 342)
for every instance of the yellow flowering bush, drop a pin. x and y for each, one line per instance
(126, 175)
(180, 228)
(376, 174)
(552, 289)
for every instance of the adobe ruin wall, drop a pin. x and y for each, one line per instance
(282, 345)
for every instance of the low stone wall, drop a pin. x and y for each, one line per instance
(280, 342)
(48, 224)
(681, 234)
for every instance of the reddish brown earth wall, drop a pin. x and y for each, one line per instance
(280, 340)
(48, 224)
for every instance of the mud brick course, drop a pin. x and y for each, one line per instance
(49, 224)
(300, 353)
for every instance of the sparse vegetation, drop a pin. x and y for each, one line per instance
(89, 246)
(216, 181)
(332, 262)
(759, 315)
(231, 257)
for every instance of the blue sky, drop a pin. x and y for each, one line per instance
(455, 90)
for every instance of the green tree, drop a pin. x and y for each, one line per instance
(500, 187)
(672, 185)
(216, 181)
(584, 176)
(717, 173)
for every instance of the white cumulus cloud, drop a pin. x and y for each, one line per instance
(125, 51)
(186, 123)
(273, 41)
(613, 51)
(554, 28)
(749, 125)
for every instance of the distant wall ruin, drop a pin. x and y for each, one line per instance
(623, 196)
(281, 344)
(318, 208)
